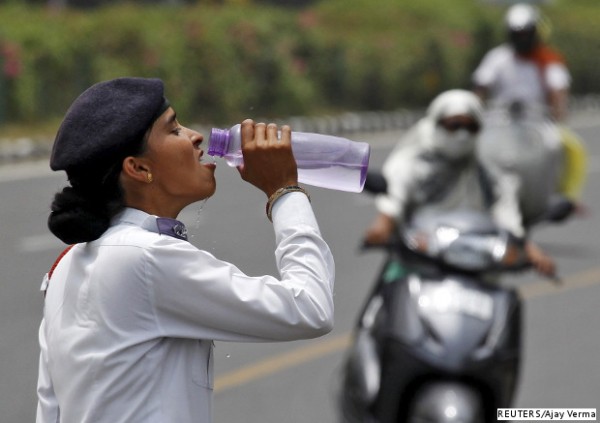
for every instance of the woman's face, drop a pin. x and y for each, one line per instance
(180, 171)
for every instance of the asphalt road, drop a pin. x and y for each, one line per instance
(297, 382)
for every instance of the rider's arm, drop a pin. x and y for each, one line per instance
(541, 261)
(485, 76)
(557, 82)
(380, 230)
(558, 102)
(507, 213)
(505, 209)
(399, 175)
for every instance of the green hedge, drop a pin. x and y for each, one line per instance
(223, 63)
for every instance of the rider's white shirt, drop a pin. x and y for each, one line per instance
(407, 175)
(510, 78)
(129, 319)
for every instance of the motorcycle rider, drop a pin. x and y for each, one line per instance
(528, 73)
(434, 168)
(525, 69)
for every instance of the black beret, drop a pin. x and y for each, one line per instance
(106, 123)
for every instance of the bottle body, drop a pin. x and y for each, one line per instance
(323, 160)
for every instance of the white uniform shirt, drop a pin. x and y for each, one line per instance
(511, 78)
(129, 319)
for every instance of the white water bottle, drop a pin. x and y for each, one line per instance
(323, 160)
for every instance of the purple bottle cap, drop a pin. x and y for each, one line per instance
(218, 142)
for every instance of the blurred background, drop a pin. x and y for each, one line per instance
(222, 60)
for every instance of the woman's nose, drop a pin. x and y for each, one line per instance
(195, 137)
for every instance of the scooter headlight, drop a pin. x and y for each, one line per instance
(470, 252)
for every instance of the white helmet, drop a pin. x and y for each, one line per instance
(454, 117)
(455, 102)
(522, 21)
(521, 17)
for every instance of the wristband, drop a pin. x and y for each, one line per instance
(279, 193)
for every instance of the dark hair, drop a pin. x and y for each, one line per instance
(82, 211)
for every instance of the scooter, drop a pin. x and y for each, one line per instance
(439, 338)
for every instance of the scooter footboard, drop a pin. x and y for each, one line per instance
(447, 402)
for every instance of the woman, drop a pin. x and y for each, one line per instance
(434, 168)
(132, 309)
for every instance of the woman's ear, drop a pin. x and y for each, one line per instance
(137, 169)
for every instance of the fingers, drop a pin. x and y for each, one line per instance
(272, 136)
(263, 135)
(286, 135)
(258, 135)
(268, 158)
(248, 131)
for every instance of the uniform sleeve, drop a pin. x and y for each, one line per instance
(196, 295)
(47, 408)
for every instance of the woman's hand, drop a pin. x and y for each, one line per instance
(268, 160)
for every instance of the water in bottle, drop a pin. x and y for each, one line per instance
(323, 160)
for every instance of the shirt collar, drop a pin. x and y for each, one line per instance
(159, 225)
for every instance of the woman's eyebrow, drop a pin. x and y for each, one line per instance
(172, 118)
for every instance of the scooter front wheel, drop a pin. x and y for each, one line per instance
(446, 402)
